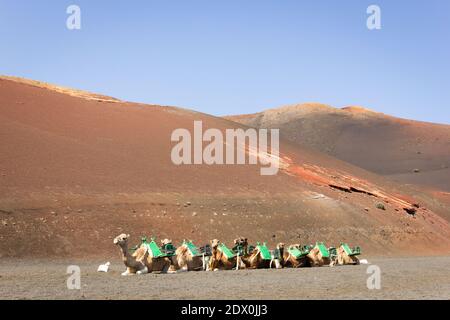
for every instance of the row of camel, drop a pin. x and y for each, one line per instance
(142, 259)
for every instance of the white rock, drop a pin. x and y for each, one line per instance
(104, 267)
(363, 261)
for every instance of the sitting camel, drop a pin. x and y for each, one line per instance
(260, 258)
(223, 258)
(295, 257)
(141, 261)
(319, 256)
(187, 260)
(345, 255)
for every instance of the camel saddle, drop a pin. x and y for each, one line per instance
(351, 251)
(153, 247)
(265, 252)
(239, 249)
(333, 252)
(168, 249)
(192, 248)
(297, 253)
(226, 251)
(323, 249)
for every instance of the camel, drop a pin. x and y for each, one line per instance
(260, 258)
(319, 256)
(278, 256)
(165, 242)
(295, 257)
(223, 258)
(241, 246)
(135, 262)
(187, 258)
(167, 247)
(346, 255)
(141, 261)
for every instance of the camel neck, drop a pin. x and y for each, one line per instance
(281, 250)
(125, 253)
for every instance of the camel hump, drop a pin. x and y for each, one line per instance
(181, 250)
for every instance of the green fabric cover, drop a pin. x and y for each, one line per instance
(265, 253)
(192, 248)
(153, 247)
(226, 251)
(296, 252)
(351, 252)
(323, 249)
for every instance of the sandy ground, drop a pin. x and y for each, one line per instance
(401, 278)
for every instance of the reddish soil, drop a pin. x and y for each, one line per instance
(78, 169)
(407, 151)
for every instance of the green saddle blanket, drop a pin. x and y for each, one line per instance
(192, 248)
(297, 253)
(323, 249)
(226, 251)
(351, 252)
(154, 249)
(265, 252)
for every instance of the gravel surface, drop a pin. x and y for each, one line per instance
(401, 278)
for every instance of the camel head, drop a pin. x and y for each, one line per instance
(214, 243)
(241, 241)
(166, 241)
(121, 240)
(280, 246)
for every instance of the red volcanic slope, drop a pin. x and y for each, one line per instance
(408, 151)
(76, 169)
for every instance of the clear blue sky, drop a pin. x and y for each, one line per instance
(235, 56)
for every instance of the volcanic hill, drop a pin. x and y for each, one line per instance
(410, 152)
(76, 169)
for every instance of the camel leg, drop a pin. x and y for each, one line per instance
(242, 264)
(172, 269)
(207, 259)
(143, 271)
(127, 272)
(277, 264)
(184, 268)
(208, 266)
(167, 264)
(204, 263)
(238, 261)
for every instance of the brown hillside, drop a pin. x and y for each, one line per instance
(75, 172)
(410, 152)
